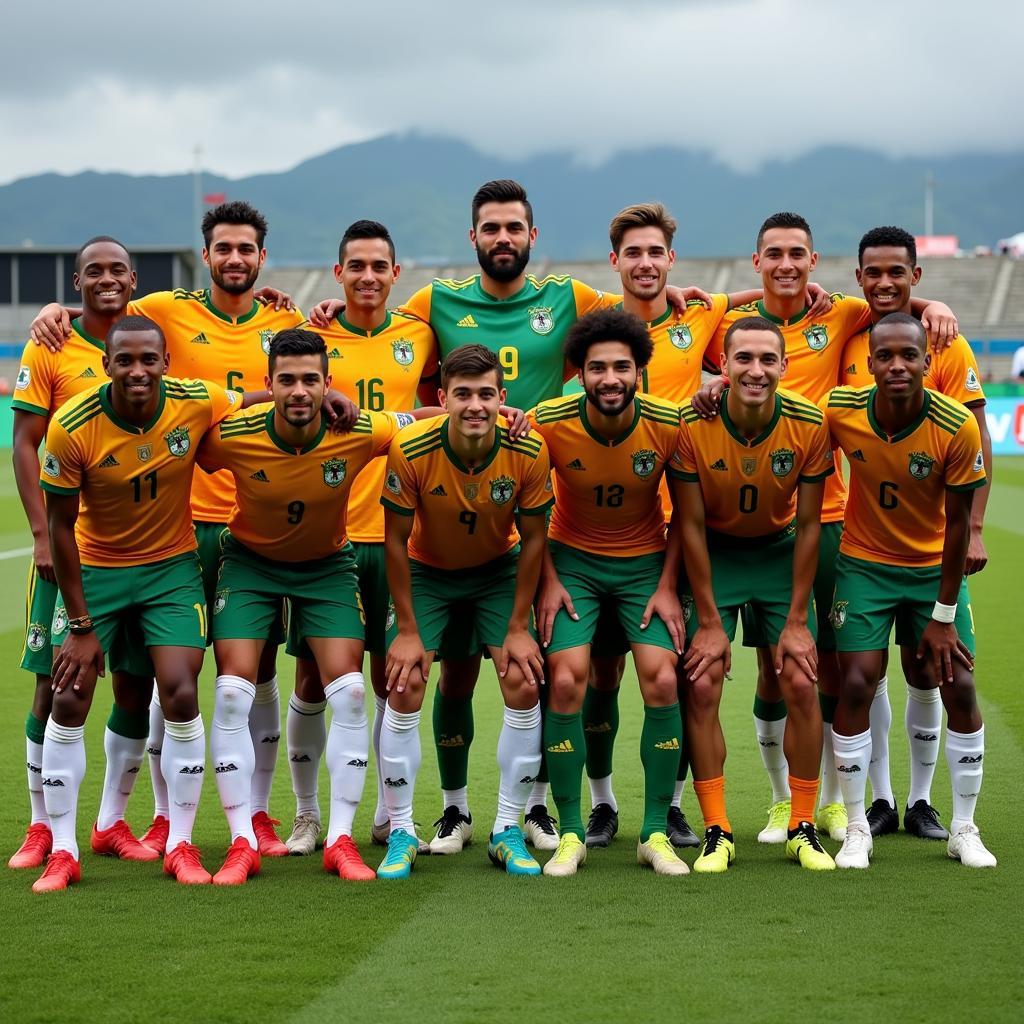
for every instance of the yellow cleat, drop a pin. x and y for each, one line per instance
(832, 820)
(571, 853)
(777, 829)
(717, 852)
(658, 852)
(803, 847)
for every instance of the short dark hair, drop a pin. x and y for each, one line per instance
(895, 320)
(641, 215)
(236, 212)
(93, 241)
(133, 324)
(785, 219)
(501, 190)
(754, 323)
(294, 341)
(471, 361)
(365, 229)
(895, 237)
(608, 325)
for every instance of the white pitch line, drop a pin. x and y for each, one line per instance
(15, 553)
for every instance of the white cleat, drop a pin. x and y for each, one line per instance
(857, 847)
(305, 837)
(965, 845)
(777, 829)
(540, 829)
(571, 853)
(658, 852)
(379, 837)
(454, 831)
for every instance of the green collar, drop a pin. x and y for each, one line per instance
(734, 431)
(907, 430)
(290, 449)
(362, 332)
(108, 407)
(778, 320)
(491, 298)
(245, 318)
(457, 462)
(615, 441)
(76, 326)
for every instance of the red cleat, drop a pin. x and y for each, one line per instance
(183, 864)
(155, 836)
(36, 848)
(342, 858)
(241, 863)
(270, 844)
(118, 841)
(61, 870)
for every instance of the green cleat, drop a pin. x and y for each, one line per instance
(507, 849)
(717, 852)
(803, 846)
(401, 855)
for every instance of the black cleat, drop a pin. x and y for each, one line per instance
(602, 826)
(680, 835)
(883, 819)
(922, 820)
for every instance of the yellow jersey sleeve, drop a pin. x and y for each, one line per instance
(34, 388)
(62, 465)
(954, 372)
(588, 299)
(536, 495)
(418, 304)
(965, 462)
(855, 372)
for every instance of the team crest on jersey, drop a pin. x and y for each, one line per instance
(471, 491)
(266, 337)
(221, 600)
(334, 471)
(749, 467)
(37, 637)
(680, 337)
(60, 621)
(24, 379)
(817, 337)
(178, 441)
(392, 483)
(838, 614)
(920, 465)
(541, 320)
(402, 351)
(979, 462)
(502, 489)
(51, 465)
(144, 452)
(970, 384)
(644, 462)
(782, 461)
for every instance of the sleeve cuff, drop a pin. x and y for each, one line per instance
(28, 407)
(973, 486)
(679, 474)
(815, 478)
(54, 489)
(539, 510)
(400, 509)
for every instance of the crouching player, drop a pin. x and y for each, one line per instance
(748, 490)
(915, 462)
(453, 487)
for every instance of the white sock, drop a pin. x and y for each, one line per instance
(124, 756)
(183, 763)
(518, 764)
(538, 795)
(154, 747)
(923, 720)
(677, 793)
(400, 757)
(265, 730)
(63, 770)
(307, 739)
(832, 791)
(773, 756)
(232, 754)
(965, 755)
(456, 798)
(852, 754)
(880, 718)
(380, 813)
(601, 792)
(348, 750)
(34, 768)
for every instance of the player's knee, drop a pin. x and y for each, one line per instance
(606, 673)
(179, 699)
(800, 692)
(960, 696)
(348, 701)
(857, 691)
(660, 689)
(703, 696)
(458, 678)
(517, 691)
(68, 708)
(565, 695)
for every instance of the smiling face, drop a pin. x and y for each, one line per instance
(643, 262)
(754, 364)
(887, 276)
(298, 386)
(610, 377)
(899, 359)
(785, 262)
(135, 361)
(367, 274)
(503, 239)
(472, 404)
(234, 257)
(105, 278)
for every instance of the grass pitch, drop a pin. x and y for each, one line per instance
(916, 938)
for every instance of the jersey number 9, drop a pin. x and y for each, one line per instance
(508, 356)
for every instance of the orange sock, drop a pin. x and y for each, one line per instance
(711, 797)
(804, 794)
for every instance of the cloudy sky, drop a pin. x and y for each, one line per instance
(261, 86)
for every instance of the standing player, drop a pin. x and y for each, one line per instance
(453, 487)
(887, 271)
(608, 450)
(915, 461)
(117, 472)
(749, 493)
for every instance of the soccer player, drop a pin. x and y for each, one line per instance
(609, 449)
(105, 278)
(117, 472)
(915, 462)
(287, 535)
(453, 488)
(748, 485)
(888, 271)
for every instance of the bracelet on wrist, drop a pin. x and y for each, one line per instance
(945, 613)
(80, 625)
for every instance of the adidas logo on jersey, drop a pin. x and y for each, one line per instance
(720, 466)
(467, 321)
(672, 744)
(858, 455)
(575, 464)
(108, 463)
(87, 374)
(439, 491)
(565, 747)
(261, 476)
(200, 339)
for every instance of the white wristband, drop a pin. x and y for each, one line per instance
(944, 612)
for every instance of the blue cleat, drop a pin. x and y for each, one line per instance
(507, 850)
(402, 850)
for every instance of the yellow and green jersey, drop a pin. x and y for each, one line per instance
(134, 481)
(606, 491)
(897, 512)
(464, 517)
(526, 330)
(291, 502)
(48, 379)
(380, 369)
(750, 485)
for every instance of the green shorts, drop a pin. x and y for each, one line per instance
(323, 595)
(599, 583)
(139, 606)
(870, 597)
(760, 575)
(40, 599)
(481, 599)
(824, 588)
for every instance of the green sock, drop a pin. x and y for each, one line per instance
(660, 745)
(600, 725)
(770, 710)
(124, 723)
(453, 734)
(35, 729)
(828, 707)
(565, 745)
